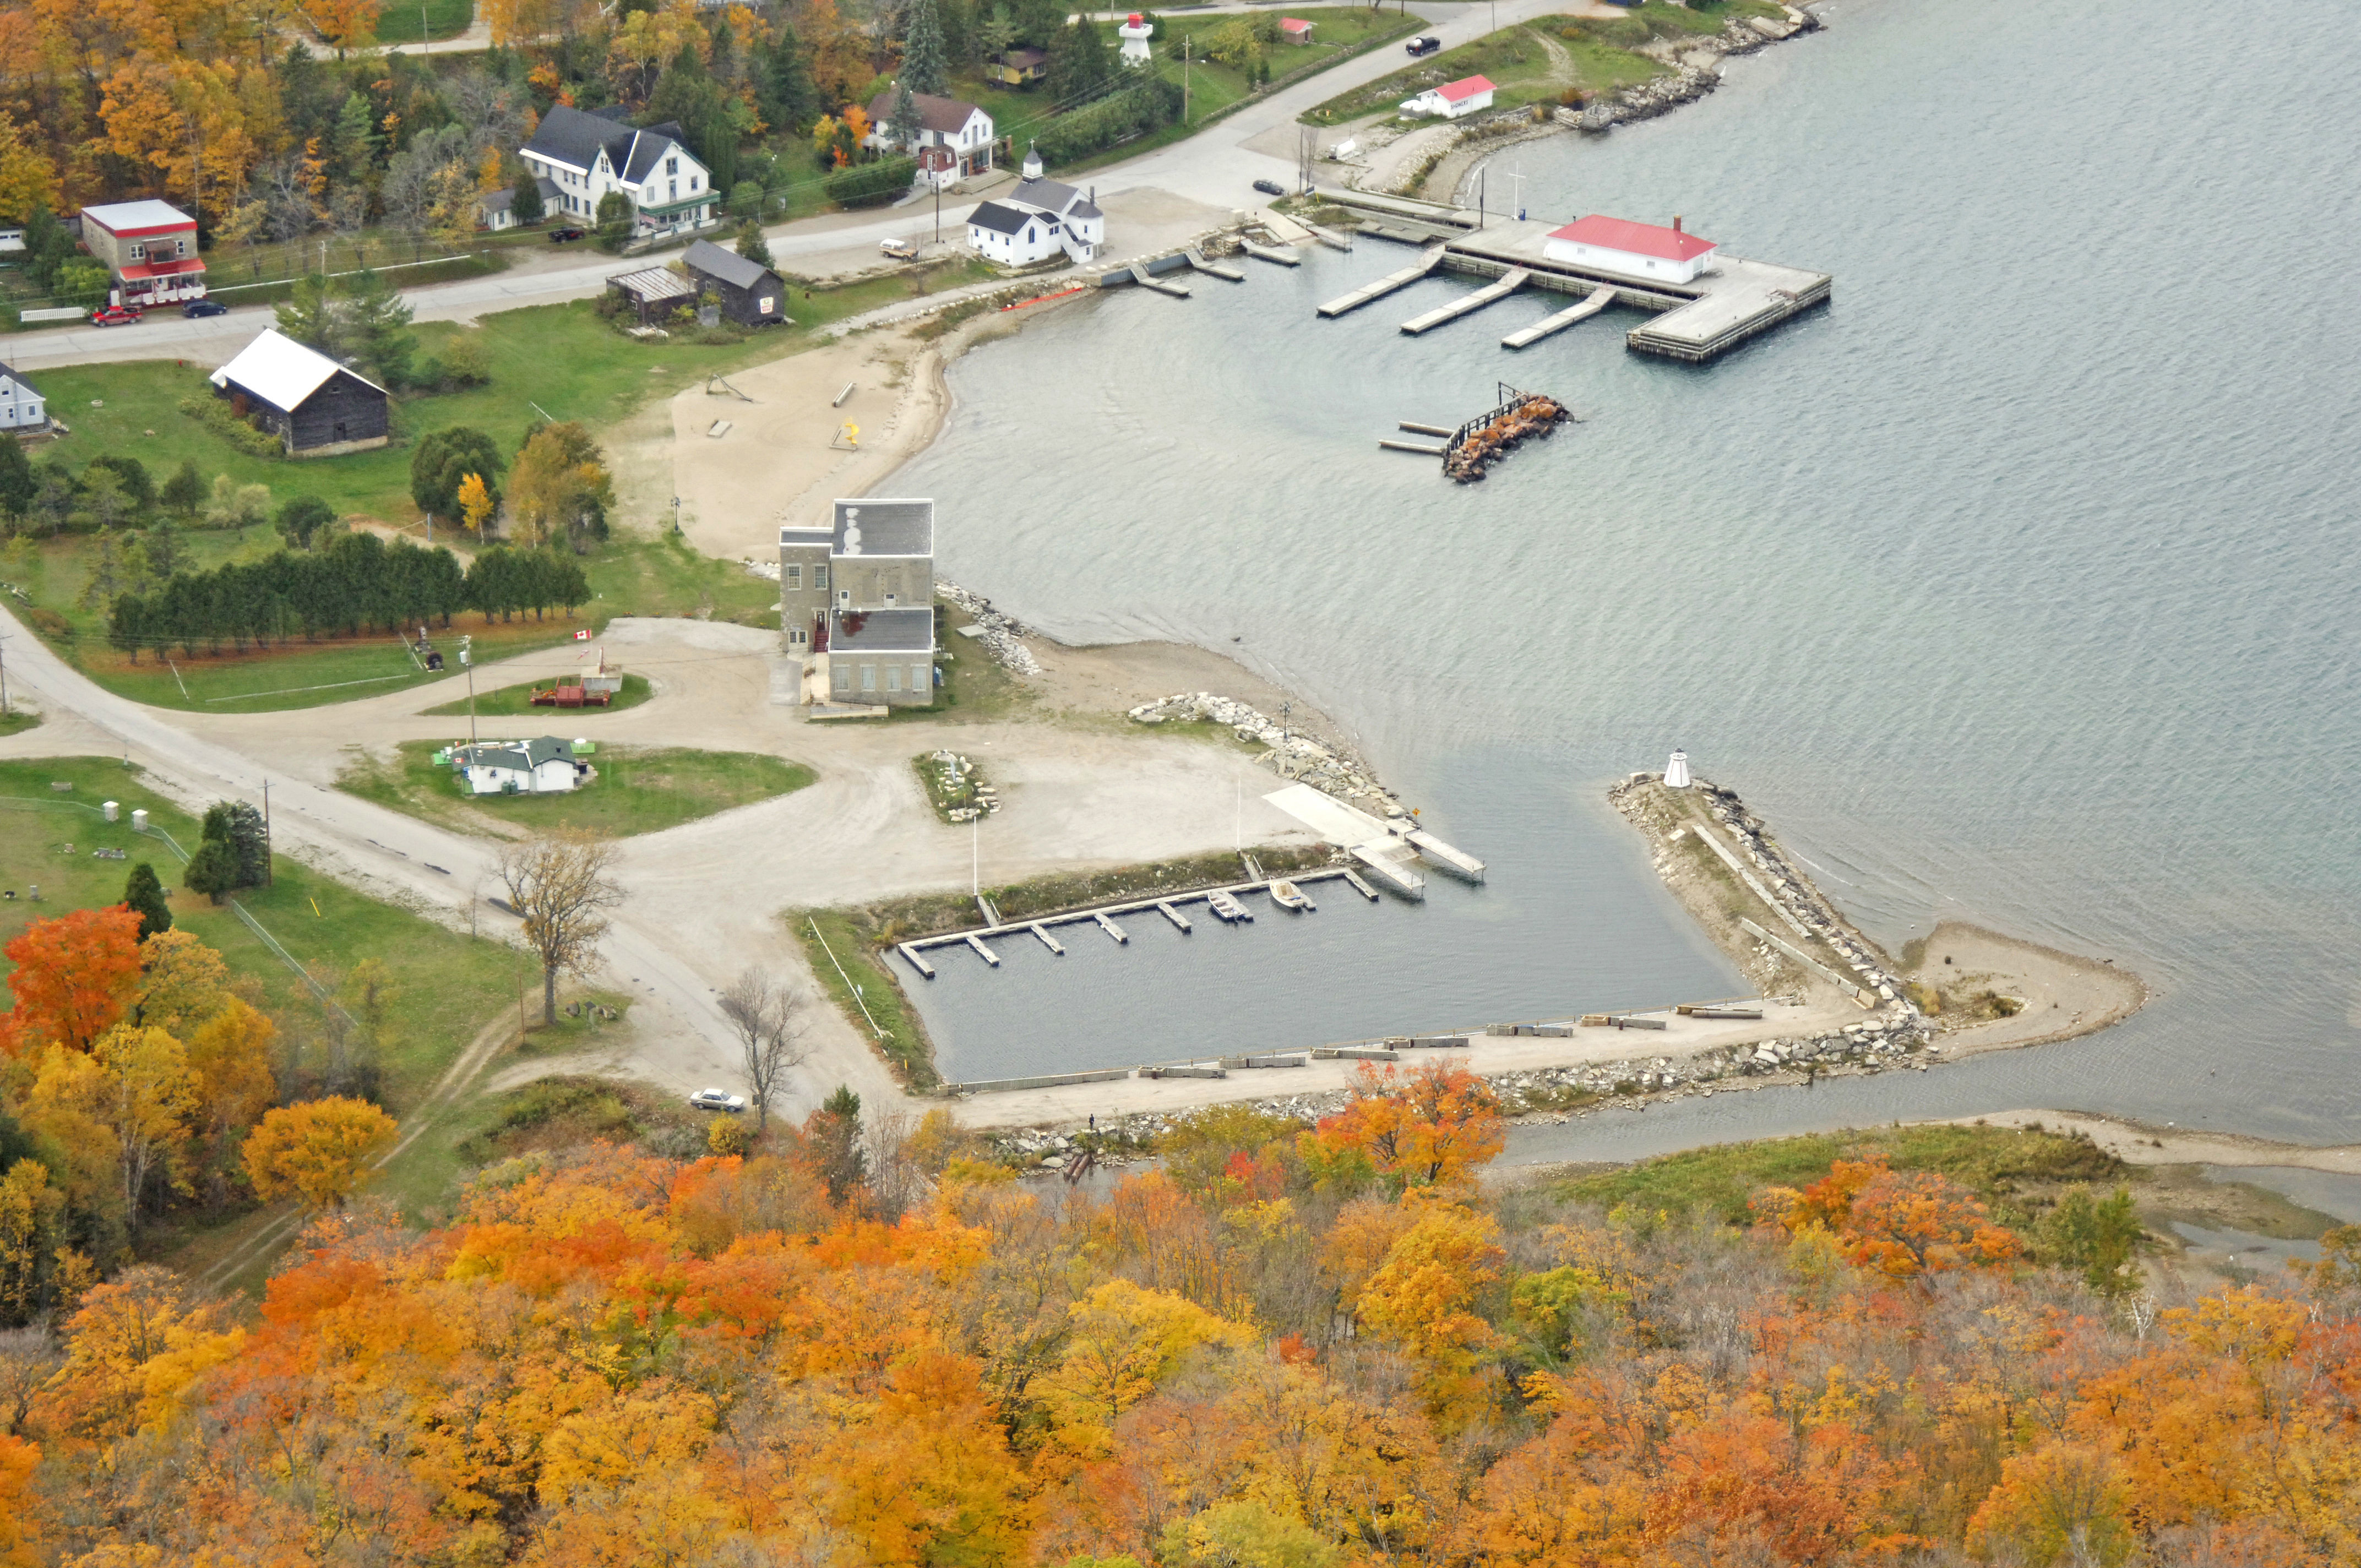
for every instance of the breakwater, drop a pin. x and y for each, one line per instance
(1292, 755)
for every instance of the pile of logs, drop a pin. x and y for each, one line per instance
(1477, 445)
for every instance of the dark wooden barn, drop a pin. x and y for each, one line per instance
(751, 294)
(313, 404)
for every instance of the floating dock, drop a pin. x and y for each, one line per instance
(1145, 279)
(1174, 916)
(1697, 321)
(1197, 259)
(1369, 292)
(1510, 282)
(1330, 237)
(1047, 940)
(986, 954)
(1277, 255)
(915, 959)
(1443, 855)
(1111, 929)
(1597, 299)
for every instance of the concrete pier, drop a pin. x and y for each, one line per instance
(1443, 855)
(1368, 293)
(1277, 255)
(1141, 276)
(1175, 916)
(1047, 940)
(1423, 448)
(1390, 873)
(1510, 282)
(986, 954)
(1197, 259)
(912, 956)
(1597, 299)
(1364, 889)
(1111, 929)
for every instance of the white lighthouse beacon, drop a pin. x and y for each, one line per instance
(1135, 34)
(1677, 772)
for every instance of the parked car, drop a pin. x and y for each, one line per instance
(717, 1100)
(900, 250)
(563, 236)
(196, 308)
(115, 315)
(1425, 43)
(1271, 187)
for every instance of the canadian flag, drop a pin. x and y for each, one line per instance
(583, 635)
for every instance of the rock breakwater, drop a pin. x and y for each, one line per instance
(1001, 633)
(1292, 755)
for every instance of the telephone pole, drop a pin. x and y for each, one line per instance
(270, 876)
(467, 663)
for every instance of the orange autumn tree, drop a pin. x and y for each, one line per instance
(1436, 1127)
(314, 1150)
(74, 977)
(1901, 1224)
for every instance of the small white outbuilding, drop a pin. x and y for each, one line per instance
(543, 765)
(1637, 250)
(1452, 100)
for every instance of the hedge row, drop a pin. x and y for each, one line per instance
(1117, 117)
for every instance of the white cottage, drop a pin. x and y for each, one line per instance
(587, 156)
(544, 766)
(952, 141)
(1639, 250)
(1453, 99)
(22, 407)
(1036, 221)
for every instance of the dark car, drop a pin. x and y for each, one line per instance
(561, 236)
(1271, 187)
(114, 315)
(196, 308)
(1425, 43)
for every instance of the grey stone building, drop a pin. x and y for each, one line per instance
(882, 657)
(872, 558)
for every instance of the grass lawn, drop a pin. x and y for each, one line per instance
(511, 701)
(1551, 59)
(17, 718)
(638, 790)
(843, 956)
(1339, 32)
(401, 22)
(446, 984)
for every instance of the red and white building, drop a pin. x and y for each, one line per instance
(1639, 250)
(1452, 100)
(151, 248)
(1295, 29)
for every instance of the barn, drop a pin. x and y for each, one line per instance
(749, 292)
(311, 402)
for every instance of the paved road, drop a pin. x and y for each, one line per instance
(1215, 168)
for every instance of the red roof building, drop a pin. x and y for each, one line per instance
(151, 248)
(1453, 99)
(1295, 29)
(1619, 245)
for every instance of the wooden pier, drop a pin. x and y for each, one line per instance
(1047, 940)
(1510, 282)
(986, 954)
(1174, 916)
(1357, 885)
(1223, 902)
(1597, 299)
(1111, 929)
(1369, 292)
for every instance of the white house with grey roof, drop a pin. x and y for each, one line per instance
(952, 141)
(543, 765)
(857, 591)
(22, 407)
(1036, 221)
(590, 155)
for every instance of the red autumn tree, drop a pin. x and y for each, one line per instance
(1434, 1128)
(74, 978)
(1903, 1224)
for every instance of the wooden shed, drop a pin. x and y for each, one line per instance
(751, 294)
(316, 406)
(653, 293)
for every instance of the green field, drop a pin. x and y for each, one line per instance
(1552, 60)
(446, 984)
(17, 718)
(401, 22)
(512, 702)
(638, 790)
(842, 957)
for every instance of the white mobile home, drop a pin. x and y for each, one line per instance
(544, 766)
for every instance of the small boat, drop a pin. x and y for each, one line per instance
(1228, 908)
(1287, 895)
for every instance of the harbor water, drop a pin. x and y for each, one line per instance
(2015, 588)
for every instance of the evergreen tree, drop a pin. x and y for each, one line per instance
(996, 33)
(1080, 63)
(526, 207)
(238, 827)
(382, 344)
(614, 221)
(138, 490)
(788, 99)
(833, 1133)
(925, 66)
(443, 458)
(162, 547)
(144, 895)
(752, 246)
(185, 491)
(906, 126)
(353, 145)
(687, 96)
(302, 519)
(212, 870)
(19, 487)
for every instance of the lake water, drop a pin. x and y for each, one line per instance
(2016, 587)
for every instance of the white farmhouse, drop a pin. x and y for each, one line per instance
(21, 406)
(1639, 250)
(1036, 221)
(1453, 99)
(952, 141)
(590, 155)
(544, 766)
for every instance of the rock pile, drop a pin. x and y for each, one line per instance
(1693, 78)
(1291, 755)
(962, 790)
(1001, 632)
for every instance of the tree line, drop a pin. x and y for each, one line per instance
(355, 584)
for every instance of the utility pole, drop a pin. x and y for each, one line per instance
(467, 663)
(975, 855)
(269, 876)
(4, 677)
(1518, 177)
(1184, 78)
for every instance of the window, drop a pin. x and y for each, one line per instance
(843, 678)
(794, 579)
(138, 251)
(820, 575)
(894, 678)
(917, 677)
(869, 677)
(695, 183)
(675, 191)
(671, 166)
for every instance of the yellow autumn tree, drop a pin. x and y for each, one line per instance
(1123, 1340)
(476, 503)
(314, 1150)
(29, 177)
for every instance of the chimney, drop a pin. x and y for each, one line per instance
(1677, 225)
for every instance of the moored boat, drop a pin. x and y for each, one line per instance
(1287, 895)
